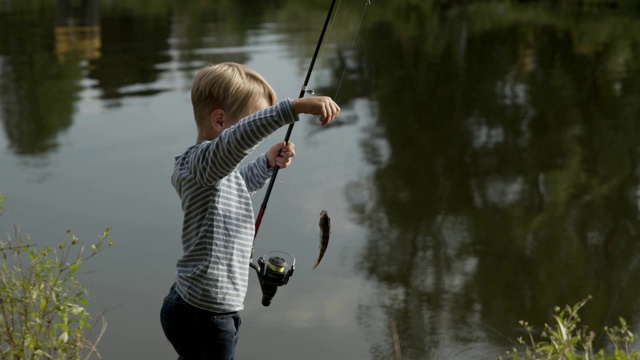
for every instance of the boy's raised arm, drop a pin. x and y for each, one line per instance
(213, 160)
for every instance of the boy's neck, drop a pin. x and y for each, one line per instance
(206, 135)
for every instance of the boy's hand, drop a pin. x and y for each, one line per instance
(317, 105)
(281, 154)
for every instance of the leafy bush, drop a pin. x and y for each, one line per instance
(42, 305)
(565, 340)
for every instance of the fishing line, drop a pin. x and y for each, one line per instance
(330, 31)
(303, 91)
(353, 43)
(344, 71)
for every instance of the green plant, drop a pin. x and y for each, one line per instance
(566, 340)
(42, 305)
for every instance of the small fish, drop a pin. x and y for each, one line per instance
(325, 229)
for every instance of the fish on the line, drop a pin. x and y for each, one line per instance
(325, 229)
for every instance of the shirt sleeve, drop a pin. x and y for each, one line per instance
(256, 174)
(210, 161)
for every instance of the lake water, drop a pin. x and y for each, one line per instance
(484, 168)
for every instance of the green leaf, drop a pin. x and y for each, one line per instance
(561, 327)
(42, 353)
(76, 309)
(64, 337)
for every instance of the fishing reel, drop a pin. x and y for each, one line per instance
(272, 272)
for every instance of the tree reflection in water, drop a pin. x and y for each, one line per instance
(511, 180)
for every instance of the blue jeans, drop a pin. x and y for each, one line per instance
(198, 334)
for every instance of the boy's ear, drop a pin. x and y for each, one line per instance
(216, 119)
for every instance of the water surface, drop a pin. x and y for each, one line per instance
(484, 168)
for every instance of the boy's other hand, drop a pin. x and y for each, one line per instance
(317, 105)
(280, 154)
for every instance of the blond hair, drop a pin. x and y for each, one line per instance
(229, 86)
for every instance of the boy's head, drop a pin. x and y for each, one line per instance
(227, 92)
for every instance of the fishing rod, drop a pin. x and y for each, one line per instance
(273, 274)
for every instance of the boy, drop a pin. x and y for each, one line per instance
(235, 109)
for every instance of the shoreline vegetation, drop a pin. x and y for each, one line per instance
(43, 306)
(568, 339)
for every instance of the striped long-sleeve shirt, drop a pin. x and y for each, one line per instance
(218, 225)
